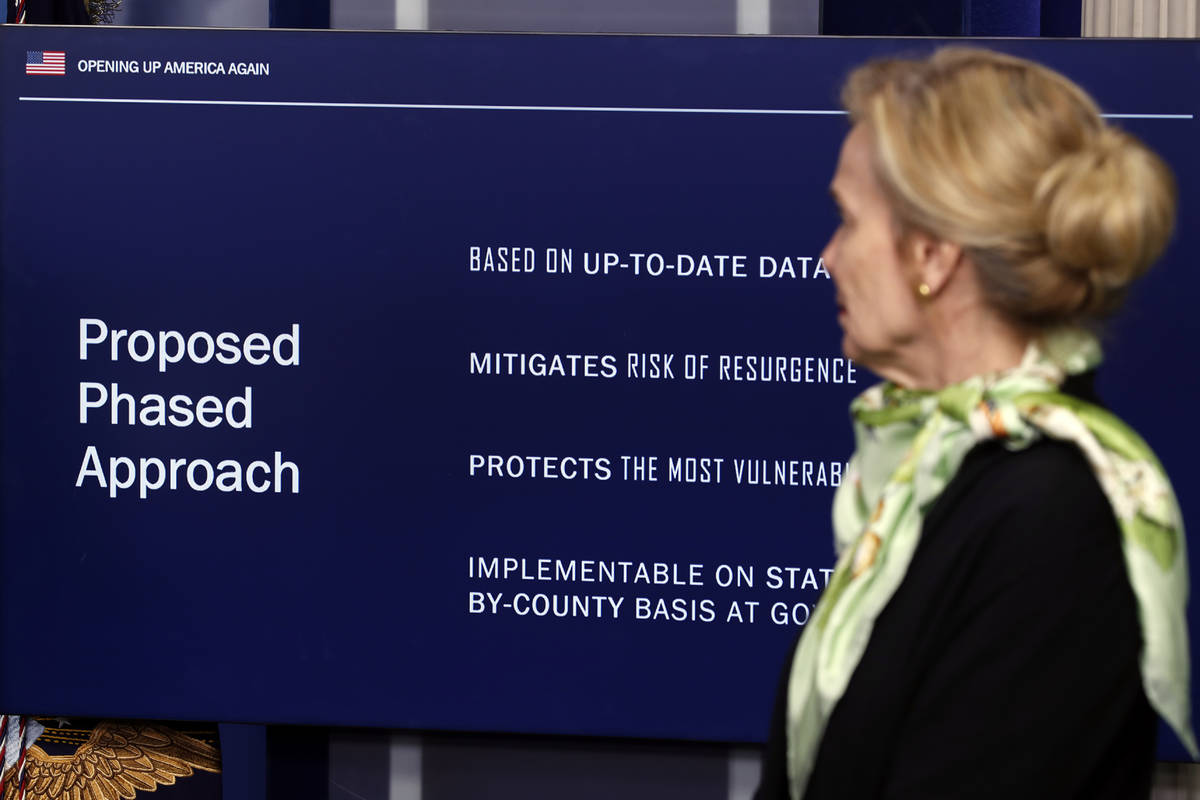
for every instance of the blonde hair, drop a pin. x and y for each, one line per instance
(1058, 210)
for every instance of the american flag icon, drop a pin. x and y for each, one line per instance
(45, 62)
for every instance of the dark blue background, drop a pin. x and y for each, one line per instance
(347, 604)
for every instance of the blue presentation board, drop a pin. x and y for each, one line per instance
(452, 381)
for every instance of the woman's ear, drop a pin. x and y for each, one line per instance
(933, 261)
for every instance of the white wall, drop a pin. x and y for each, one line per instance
(1141, 18)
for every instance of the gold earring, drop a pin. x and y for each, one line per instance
(924, 291)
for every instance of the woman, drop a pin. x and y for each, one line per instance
(1007, 613)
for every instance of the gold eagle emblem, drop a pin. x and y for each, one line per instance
(118, 760)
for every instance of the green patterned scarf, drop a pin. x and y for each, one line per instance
(909, 447)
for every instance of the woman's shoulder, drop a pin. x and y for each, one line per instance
(1045, 495)
(1045, 469)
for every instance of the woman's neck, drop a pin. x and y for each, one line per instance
(961, 340)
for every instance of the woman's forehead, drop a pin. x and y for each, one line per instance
(854, 176)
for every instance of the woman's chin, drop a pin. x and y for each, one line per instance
(850, 349)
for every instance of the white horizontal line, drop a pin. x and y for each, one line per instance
(435, 106)
(1150, 116)
(811, 112)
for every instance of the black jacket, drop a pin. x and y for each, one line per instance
(1006, 664)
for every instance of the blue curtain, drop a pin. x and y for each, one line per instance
(959, 18)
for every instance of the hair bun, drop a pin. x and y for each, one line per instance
(1109, 208)
(1057, 210)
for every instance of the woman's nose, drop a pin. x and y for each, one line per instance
(829, 254)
